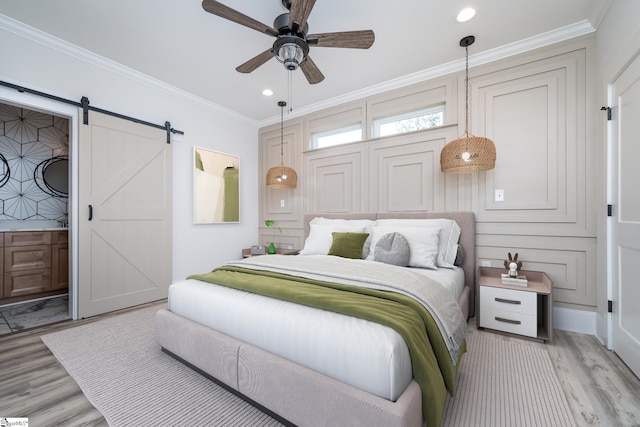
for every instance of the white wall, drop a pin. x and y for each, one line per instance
(34, 60)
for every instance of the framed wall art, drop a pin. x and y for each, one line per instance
(216, 187)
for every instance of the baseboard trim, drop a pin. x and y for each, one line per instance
(568, 319)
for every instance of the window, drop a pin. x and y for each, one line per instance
(409, 122)
(339, 136)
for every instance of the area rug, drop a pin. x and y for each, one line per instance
(506, 384)
(120, 368)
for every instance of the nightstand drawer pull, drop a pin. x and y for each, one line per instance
(514, 322)
(507, 301)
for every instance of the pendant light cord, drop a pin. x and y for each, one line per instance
(282, 104)
(282, 136)
(466, 92)
(290, 90)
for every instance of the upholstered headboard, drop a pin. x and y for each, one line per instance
(466, 221)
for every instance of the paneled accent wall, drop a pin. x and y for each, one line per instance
(533, 106)
(337, 178)
(405, 171)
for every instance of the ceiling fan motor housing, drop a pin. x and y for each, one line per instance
(281, 23)
(287, 4)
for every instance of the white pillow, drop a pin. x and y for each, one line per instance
(320, 238)
(423, 243)
(366, 225)
(449, 236)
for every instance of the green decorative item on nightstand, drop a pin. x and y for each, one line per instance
(272, 247)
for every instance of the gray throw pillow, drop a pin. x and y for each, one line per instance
(393, 249)
(459, 257)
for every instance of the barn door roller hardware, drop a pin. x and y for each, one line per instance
(84, 104)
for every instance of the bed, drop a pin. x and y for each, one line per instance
(316, 365)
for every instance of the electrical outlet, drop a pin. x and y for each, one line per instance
(485, 263)
(499, 196)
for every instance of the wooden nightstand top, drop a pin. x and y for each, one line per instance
(537, 281)
(246, 253)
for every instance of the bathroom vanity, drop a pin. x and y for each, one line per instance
(33, 264)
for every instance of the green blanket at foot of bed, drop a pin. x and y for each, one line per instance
(430, 359)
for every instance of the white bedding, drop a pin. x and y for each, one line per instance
(363, 354)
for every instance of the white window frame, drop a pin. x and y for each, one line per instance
(377, 123)
(314, 143)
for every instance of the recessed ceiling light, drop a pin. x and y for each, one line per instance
(267, 92)
(466, 14)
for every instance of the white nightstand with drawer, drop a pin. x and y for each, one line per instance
(518, 310)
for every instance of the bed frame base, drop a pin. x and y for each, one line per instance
(289, 392)
(230, 390)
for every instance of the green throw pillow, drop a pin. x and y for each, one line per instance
(348, 245)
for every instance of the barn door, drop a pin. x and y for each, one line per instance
(125, 176)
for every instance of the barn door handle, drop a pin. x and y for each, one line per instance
(90, 212)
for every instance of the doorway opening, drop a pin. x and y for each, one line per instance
(37, 206)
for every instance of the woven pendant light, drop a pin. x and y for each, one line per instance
(282, 177)
(469, 153)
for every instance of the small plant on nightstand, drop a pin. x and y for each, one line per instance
(270, 224)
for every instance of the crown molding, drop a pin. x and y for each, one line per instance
(25, 31)
(545, 39)
(541, 40)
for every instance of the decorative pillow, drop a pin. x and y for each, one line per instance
(392, 248)
(366, 225)
(448, 239)
(319, 240)
(423, 243)
(348, 245)
(459, 257)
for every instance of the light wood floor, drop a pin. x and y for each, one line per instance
(600, 389)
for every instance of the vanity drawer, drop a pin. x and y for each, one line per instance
(510, 300)
(509, 321)
(19, 258)
(27, 238)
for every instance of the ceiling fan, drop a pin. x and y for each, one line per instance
(291, 31)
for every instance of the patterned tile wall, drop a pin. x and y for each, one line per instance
(28, 141)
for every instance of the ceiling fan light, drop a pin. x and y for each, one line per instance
(291, 55)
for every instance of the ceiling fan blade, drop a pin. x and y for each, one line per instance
(311, 71)
(362, 39)
(226, 12)
(255, 62)
(299, 13)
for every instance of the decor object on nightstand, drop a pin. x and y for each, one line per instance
(258, 250)
(272, 247)
(513, 276)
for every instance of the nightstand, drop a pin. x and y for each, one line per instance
(518, 310)
(246, 253)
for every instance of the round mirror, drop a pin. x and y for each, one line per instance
(55, 175)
